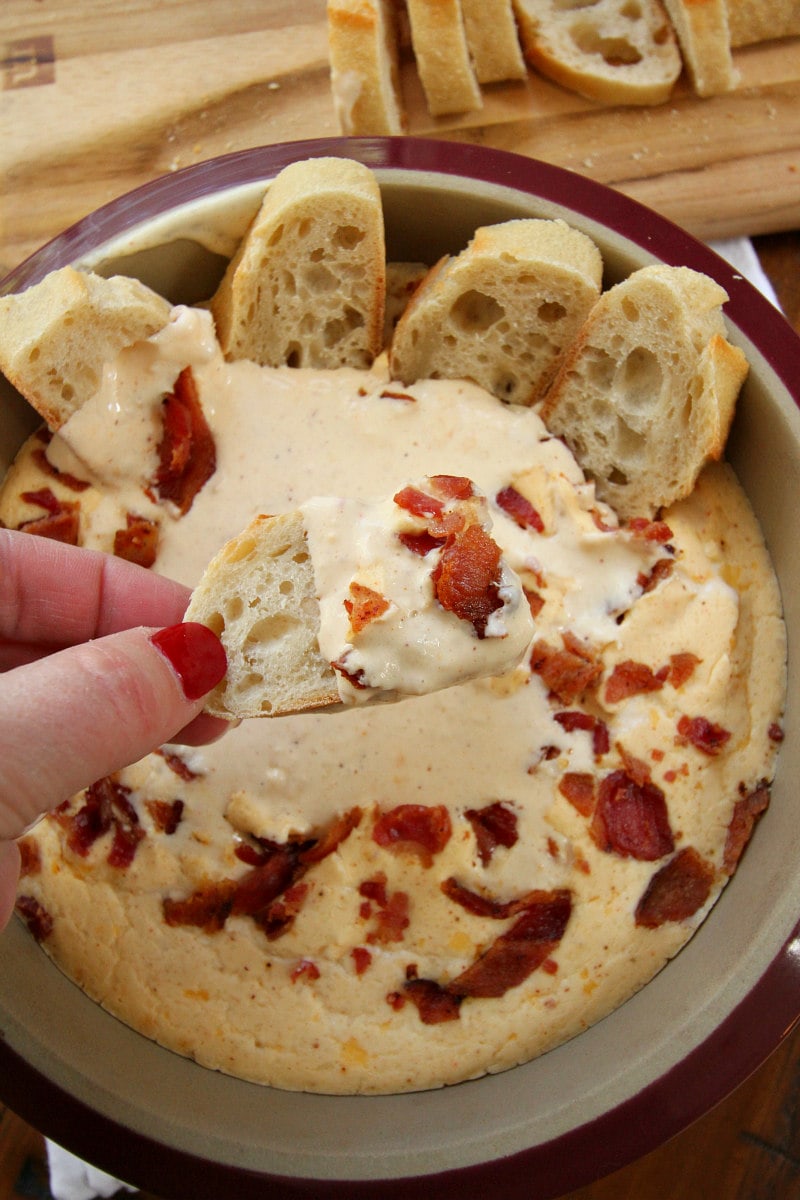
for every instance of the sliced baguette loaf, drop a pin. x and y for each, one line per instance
(56, 337)
(502, 312)
(306, 287)
(258, 595)
(704, 37)
(646, 395)
(363, 51)
(609, 50)
(439, 41)
(493, 40)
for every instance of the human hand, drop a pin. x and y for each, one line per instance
(96, 671)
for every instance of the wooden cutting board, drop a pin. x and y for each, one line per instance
(99, 96)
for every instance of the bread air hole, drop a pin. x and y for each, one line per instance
(338, 328)
(274, 628)
(569, 5)
(632, 12)
(642, 378)
(474, 311)
(319, 278)
(348, 236)
(615, 51)
(550, 312)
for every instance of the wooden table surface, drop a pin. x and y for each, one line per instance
(101, 95)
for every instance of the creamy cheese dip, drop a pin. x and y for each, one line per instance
(321, 1006)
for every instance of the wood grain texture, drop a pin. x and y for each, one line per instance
(99, 96)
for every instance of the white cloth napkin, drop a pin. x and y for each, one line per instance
(73, 1179)
(741, 254)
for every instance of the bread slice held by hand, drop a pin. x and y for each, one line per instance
(610, 50)
(503, 311)
(58, 335)
(306, 287)
(341, 602)
(646, 396)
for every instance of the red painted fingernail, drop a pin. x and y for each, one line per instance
(195, 654)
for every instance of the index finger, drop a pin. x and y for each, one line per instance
(59, 595)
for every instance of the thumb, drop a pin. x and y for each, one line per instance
(79, 714)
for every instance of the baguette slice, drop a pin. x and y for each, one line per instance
(306, 288)
(609, 50)
(258, 595)
(493, 40)
(335, 604)
(365, 81)
(761, 20)
(439, 41)
(702, 29)
(501, 312)
(646, 395)
(56, 337)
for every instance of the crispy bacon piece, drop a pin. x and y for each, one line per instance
(520, 509)
(748, 808)
(566, 673)
(535, 601)
(418, 503)
(434, 1003)
(577, 719)
(578, 788)
(187, 453)
(391, 920)
(452, 487)
(421, 543)
(62, 523)
(677, 890)
(256, 890)
(661, 570)
(516, 954)
(305, 969)
(682, 667)
(30, 857)
(651, 531)
(138, 541)
(207, 908)
(362, 958)
(703, 734)
(35, 916)
(332, 837)
(630, 678)
(467, 576)
(392, 394)
(72, 482)
(280, 914)
(631, 819)
(105, 808)
(363, 606)
(270, 893)
(179, 765)
(374, 889)
(165, 815)
(485, 906)
(493, 825)
(420, 829)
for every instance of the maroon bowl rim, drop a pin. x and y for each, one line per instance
(761, 1020)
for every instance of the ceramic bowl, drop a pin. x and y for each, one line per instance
(634, 1079)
